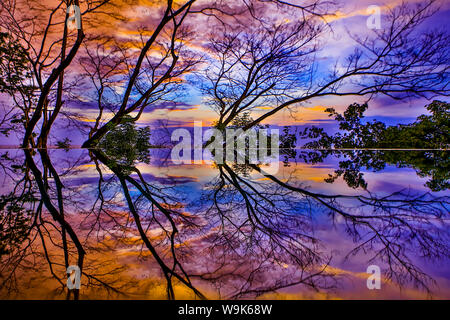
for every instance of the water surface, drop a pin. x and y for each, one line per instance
(158, 230)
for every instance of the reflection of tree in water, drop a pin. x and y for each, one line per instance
(266, 227)
(15, 221)
(126, 144)
(49, 240)
(432, 164)
(427, 132)
(151, 207)
(263, 239)
(247, 237)
(103, 220)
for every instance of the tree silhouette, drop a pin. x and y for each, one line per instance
(273, 65)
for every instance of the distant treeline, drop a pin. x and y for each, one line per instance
(427, 132)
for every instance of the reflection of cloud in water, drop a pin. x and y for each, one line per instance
(223, 249)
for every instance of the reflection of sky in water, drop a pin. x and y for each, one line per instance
(186, 186)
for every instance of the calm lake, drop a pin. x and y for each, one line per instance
(158, 230)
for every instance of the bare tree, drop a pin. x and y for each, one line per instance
(157, 67)
(50, 47)
(149, 76)
(275, 65)
(155, 72)
(259, 69)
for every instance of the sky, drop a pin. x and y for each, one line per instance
(351, 17)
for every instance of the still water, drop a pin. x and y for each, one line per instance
(159, 230)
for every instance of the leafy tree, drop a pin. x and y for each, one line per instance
(125, 143)
(427, 132)
(242, 120)
(64, 144)
(14, 79)
(13, 65)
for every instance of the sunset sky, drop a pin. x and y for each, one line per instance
(336, 45)
(351, 17)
